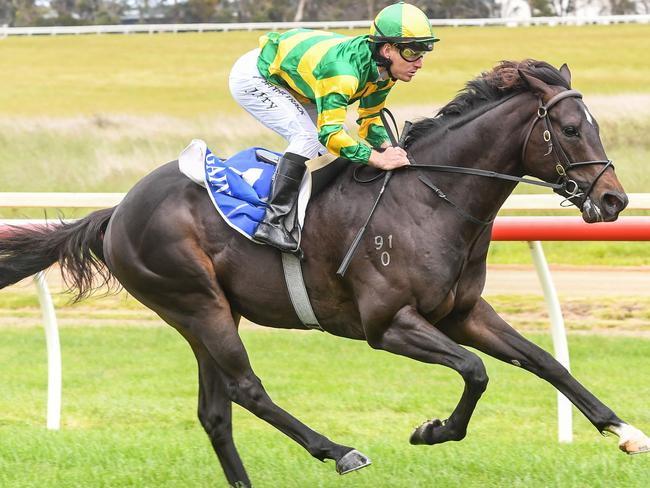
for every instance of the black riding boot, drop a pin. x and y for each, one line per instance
(281, 215)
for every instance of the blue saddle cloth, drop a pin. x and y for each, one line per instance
(239, 187)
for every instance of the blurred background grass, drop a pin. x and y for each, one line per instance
(186, 75)
(96, 113)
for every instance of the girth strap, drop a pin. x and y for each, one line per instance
(298, 292)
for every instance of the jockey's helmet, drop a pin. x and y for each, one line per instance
(403, 23)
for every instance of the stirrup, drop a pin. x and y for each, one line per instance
(268, 241)
(275, 236)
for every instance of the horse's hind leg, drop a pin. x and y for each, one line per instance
(412, 336)
(215, 330)
(215, 414)
(484, 330)
(245, 389)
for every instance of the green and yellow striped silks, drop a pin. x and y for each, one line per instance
(332, 71)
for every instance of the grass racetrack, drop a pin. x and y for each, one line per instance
(96, 113)
(130, 393)
(130, 400)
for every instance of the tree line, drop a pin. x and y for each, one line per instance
(20, 13)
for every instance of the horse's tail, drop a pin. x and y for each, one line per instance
(76, 246)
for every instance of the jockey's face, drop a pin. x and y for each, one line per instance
(400, 67)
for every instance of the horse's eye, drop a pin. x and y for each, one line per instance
(571, 131)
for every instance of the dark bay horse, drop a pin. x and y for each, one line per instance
(413, 287)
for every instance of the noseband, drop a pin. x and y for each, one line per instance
(563, 164)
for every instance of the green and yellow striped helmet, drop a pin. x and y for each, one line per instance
(403, 23)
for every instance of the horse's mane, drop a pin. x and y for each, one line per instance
(486, 91)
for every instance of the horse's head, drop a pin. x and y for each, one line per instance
(562, 144)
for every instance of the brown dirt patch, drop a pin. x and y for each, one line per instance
(612, 301)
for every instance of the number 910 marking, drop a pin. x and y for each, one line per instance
(387, 245)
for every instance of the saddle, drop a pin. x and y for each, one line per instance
(239, 186)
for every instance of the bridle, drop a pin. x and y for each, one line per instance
(563, 163)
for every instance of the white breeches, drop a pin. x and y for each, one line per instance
(275, 107)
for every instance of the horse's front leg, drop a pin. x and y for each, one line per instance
(484, 330)
(410, 335)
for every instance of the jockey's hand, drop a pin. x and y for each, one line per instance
(390, 158)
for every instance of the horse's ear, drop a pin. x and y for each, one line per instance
(566, 74)
(536, 85)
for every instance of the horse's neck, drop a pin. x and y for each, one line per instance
(491, 142)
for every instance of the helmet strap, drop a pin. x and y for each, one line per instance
(381, 61)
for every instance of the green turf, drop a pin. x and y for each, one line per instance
(574, 253)
(129, 414)
(104, 155)
(95, 113)
(183, 75)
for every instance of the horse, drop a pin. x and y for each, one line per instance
(166, 245)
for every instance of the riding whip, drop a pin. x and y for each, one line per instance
(396, 143)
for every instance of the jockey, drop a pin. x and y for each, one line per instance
(300, 83)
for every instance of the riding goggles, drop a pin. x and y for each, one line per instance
(409, 54)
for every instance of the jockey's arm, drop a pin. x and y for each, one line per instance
(372, 129)
(333, 95)
(340, 143)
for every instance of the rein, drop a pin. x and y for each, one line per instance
(562, 167)
(488, 174)
(563, 164)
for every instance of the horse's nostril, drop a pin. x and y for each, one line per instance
(615, 202)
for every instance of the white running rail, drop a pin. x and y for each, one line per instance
(343, 24)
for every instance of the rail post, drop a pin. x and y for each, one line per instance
(558, 333)
(53, 353)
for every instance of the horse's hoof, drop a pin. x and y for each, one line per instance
(424, 433)
(631, 439)
(635, 446)
(352, 461)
